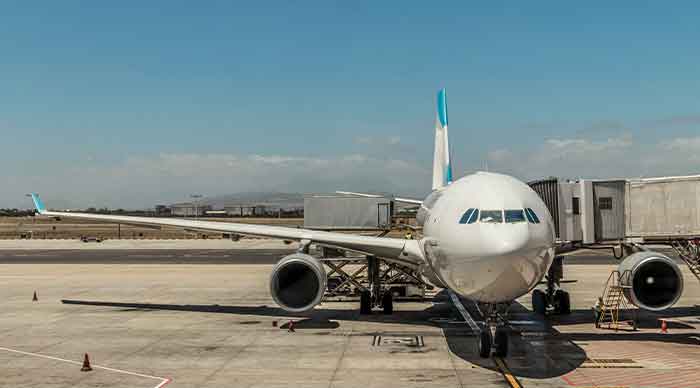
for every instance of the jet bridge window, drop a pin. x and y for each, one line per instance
(513, 216)
(470, 216)
(492, 216)
(605, 203)
(531, 216)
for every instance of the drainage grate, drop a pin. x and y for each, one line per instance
(415, 341)
(610, 363)
(611, 360)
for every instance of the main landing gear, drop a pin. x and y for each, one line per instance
(553, 298)
(375, 296)
(495, 332)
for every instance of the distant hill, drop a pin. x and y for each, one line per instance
(282, 200)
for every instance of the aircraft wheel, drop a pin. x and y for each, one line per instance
(485, 343)
(501, 340)
(563, 302)
(539, 302)
(365, 303)
(388, 303)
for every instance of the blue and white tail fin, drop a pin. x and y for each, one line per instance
(442, 163)
(38, 204)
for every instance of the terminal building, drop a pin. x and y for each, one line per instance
(189, 209)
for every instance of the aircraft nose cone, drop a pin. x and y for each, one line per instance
(511, 242)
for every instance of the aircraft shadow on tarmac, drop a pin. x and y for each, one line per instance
(537, 350)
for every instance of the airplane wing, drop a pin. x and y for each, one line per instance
(402, 251)
(397, 199)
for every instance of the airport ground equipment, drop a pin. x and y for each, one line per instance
(689, 252)
(347, 211)
(378, 283)
(614, 301)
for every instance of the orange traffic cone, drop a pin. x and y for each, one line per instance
(34, 298)
(664, 326)
(86, 364)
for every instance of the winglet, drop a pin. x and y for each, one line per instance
(37, 203)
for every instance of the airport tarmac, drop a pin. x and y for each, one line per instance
(190, 318)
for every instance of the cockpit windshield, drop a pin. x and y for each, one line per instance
(531, 216)
(511, 216)
(470, 216)
(514, 215)
(492, 216)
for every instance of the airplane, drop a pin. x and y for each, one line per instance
(487, 237)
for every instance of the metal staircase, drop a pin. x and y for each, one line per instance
(614, 300)
(689, 252)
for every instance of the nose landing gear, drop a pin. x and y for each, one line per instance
(495, 333)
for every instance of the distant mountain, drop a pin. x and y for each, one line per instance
(282, 200)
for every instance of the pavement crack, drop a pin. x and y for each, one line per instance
(348, 336)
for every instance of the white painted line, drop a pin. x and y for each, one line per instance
(463, 311)
(524, 322)
(162, 383)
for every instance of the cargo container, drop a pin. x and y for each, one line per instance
(347, 212)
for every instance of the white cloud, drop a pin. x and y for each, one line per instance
(620, 156)
(378, 140)
(140, 182)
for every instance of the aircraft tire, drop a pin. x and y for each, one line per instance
(501, 341)
(485, 343)
(388, 303)
(365, 303)
(539, 302)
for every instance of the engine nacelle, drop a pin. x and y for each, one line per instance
(655, 280)
(298, 282)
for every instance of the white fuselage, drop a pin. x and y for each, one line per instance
(482, 258)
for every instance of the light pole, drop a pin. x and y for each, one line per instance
(195, 198)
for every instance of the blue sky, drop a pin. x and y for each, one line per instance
(127, 104)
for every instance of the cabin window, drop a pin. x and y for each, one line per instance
(492, 216)
(576, 205)
(531, 216)
(513, 216)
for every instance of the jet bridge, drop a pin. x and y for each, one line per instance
(613, 211)
(626, 213)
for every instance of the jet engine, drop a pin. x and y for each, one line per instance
(298, 282)
(655, 282)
